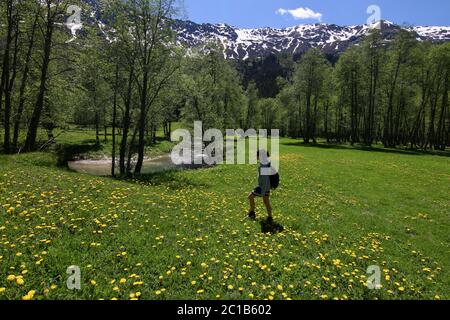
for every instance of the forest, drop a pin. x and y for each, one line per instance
(129, 76)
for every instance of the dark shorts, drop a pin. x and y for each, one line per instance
(258, 192)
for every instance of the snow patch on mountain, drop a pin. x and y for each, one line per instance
(244, 43)
(436, 33)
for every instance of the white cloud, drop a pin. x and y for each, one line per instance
(301, 13)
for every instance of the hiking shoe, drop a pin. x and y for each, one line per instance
(251, 215)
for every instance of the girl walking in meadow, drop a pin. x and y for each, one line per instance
(265, 183)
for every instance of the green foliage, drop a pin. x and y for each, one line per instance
(269, 113)
(395, 92)
(213, 92)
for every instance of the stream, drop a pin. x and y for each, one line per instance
(102, 167)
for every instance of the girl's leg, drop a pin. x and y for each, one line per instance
(266, 200)
(251, 200)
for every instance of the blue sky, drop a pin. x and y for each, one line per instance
(267, 13)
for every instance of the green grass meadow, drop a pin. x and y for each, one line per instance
(183, 235)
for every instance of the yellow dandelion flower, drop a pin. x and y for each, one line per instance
(29, 295)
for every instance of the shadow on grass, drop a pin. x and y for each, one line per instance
(370, 149)
(69, 152)
(169, 178)
(272, 227)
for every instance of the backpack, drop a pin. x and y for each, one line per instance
(274, 180)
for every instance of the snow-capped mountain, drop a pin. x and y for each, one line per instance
(242, 44)
(238, 43)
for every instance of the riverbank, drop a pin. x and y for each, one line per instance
(102, 167)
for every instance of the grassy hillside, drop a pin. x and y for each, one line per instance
(183, 234)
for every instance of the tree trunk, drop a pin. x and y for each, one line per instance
(389, 118)
(314, 121)
(114, 116)
(30, 142)
(97, 128)
(325, 125)
(5, 85)
(130, 151)
(126, 123)
(441, 142)
(23, 84)
(142, 124)
(307, 135)
(430, 139)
